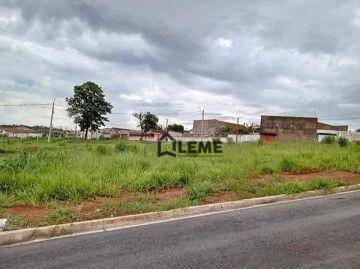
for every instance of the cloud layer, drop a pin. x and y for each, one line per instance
(233, 58)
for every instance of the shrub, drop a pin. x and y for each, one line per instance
(329, 139)
(288, 164)
(343, 142)
(216, 140)
(199, 191)
(120, 146)
(260, 142)
(101, 149)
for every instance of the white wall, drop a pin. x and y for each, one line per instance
(244, 137)
(352, 136)
(192, 138)
(22, 135)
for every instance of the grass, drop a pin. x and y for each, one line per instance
(68, 172)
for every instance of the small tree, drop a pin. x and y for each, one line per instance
(88, 107)
(224, 131)
(147, 121)
(176, 128)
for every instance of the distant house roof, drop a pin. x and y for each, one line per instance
(324, 126)
(114, 130)
(18, 129)
(154, 131)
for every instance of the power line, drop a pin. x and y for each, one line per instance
(340, 118)
(22, 105)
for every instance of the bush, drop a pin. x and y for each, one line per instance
(101, 149)
(329, 139)
(120, 146)
(343, 142)
(288, 164)
(216, 140)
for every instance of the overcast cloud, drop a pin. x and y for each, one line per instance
(232, 58)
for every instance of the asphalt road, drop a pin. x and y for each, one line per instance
(312, 233)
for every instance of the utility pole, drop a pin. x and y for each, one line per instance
(75, 130)
(167, 124)
(202, 124)
(51, 121)
(237, 130)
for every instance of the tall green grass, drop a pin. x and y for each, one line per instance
(37, 172)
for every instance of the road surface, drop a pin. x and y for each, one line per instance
(312, 233)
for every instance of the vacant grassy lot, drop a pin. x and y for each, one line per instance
(73, 180)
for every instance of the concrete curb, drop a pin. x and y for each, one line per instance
(98, 225)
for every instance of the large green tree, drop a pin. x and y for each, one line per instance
(147, 121)
(176, 128)
(88, 107)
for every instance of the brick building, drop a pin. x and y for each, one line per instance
(212, 127)
(283, 128)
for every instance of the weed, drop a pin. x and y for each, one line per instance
(343, 142)
(260, 142)
(288, 164)
(197, 192)
(120, 146)
(4, 201)
(61, 215)
(329, 139)
(101, 150)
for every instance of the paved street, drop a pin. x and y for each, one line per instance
(313, 233)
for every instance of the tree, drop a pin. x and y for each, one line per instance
(176, 128)
(88, 107)
(224, 131)
(147, 121)
(357, 130)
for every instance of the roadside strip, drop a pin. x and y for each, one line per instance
(100, 225)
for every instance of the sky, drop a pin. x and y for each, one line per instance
(174, 58)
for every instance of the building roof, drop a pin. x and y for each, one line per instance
(18, 129)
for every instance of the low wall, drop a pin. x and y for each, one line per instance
(244, 137)
(352, 136)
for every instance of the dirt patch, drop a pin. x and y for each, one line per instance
(335, 175)
(219, 197)
(31, 211)
(171, 193)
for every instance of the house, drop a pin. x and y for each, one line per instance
(212, 127)
(324, 130)
(115, 133)
(337, 131)
(149, 136)
(19, 131)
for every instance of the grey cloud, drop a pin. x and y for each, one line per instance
(175, 46)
